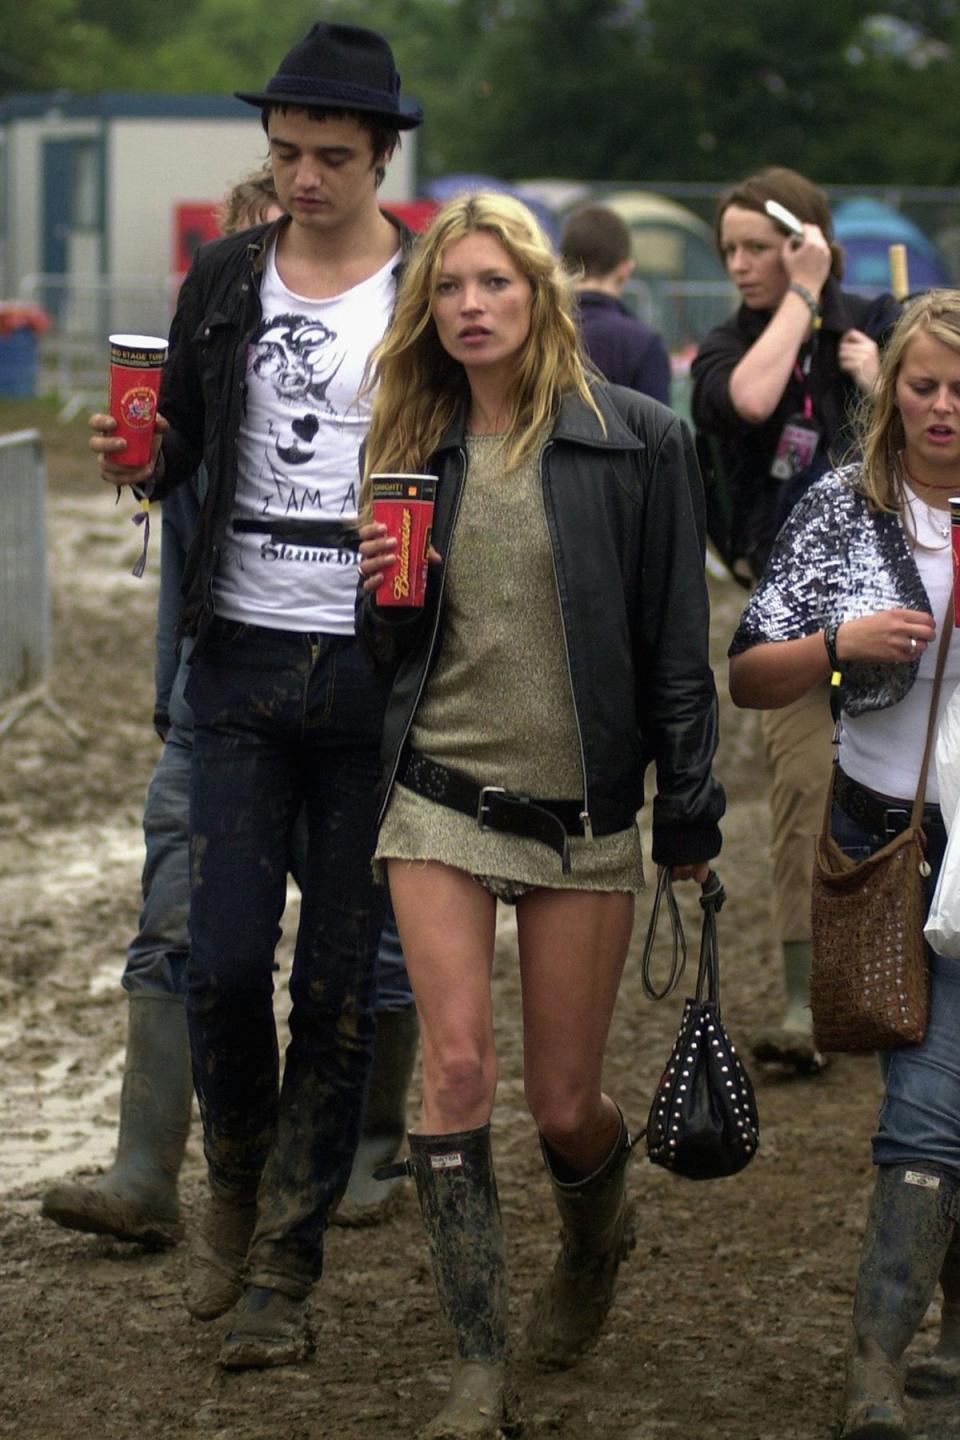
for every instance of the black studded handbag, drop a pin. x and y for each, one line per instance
(703, 1121)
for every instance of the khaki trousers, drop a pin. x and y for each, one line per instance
(799, 750)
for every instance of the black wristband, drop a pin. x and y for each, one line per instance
(830, 642)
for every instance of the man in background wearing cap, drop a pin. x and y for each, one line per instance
(268, 350)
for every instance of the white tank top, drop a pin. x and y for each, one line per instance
(884, 748)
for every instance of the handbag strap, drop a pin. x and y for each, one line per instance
(916, 813)
(712, 896)
(944, 646)
(678, 959)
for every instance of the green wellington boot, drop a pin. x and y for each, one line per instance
(367, 1201)
(791, 1042)
(597, 1232)
(457, 1190)
(136, 1199)
(911, 1221)
(939, 1373)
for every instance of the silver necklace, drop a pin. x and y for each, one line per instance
(939, 521)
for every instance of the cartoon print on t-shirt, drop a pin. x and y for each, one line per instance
(299, 357)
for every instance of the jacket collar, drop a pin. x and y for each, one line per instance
(575, 423)
(600, 300)
(263, 236)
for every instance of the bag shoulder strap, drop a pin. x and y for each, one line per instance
(916, 813)
(932, 720)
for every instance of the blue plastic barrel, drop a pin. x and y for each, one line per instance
(18, 362)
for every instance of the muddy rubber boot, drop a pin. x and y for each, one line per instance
(461, 1215)
(368, 1201)
(597, 1232)
(218, 1253)
(908, 1231)
(791, 1043)
(136, 1199)
(939, 1373)
(267, 1328)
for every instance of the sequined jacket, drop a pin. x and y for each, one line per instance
(837, 559)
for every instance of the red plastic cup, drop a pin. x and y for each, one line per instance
(404, 503)
(136, 364)
(955, 541)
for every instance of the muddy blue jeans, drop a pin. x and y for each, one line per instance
(920, 1115)
(282, 721)
(157, 957)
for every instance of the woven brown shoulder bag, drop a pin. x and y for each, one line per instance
(869, 983)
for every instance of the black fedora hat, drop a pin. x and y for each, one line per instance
(343, 67)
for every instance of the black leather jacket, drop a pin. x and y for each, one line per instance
(204, 391)
(623, 518)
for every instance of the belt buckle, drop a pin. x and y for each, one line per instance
(482, 806)
(890, 816)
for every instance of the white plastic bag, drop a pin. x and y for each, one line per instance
(942, 930)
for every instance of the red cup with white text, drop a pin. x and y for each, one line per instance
(404, 503)
(136, 365)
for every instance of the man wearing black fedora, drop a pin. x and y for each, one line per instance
(264, 384)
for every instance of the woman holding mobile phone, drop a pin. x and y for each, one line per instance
(774, 389)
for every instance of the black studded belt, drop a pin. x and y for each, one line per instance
(551, 822)
(883, 814)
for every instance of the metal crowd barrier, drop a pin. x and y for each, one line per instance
(24, 591)
(24, 601)
(85, 310)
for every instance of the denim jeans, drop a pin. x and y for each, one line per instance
(919, 1119)
(282, 722)
(157, 956)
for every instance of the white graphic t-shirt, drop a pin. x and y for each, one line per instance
(298, 478)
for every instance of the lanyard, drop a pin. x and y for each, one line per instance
(803, 376)
(801, 373)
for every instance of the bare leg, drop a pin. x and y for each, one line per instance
(446, 923)
(572, 949)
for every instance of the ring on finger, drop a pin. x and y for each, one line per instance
(913, 642)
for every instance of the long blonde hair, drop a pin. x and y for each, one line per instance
(936, 313)
(421, 389)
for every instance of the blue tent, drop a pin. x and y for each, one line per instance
(445, 187)
(866, 229)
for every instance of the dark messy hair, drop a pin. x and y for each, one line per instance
(384, 138)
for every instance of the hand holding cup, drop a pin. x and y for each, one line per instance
(136, 367)
(108, 445)
(395, 548)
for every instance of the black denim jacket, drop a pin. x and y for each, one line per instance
(204, 391)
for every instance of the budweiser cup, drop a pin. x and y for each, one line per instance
(136, 364)
(404, 503)
(955, 541)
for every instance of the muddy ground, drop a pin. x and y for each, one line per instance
(732, 1315)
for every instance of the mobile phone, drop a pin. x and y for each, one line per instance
(784, 217)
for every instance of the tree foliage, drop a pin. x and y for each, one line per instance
(614, 89)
